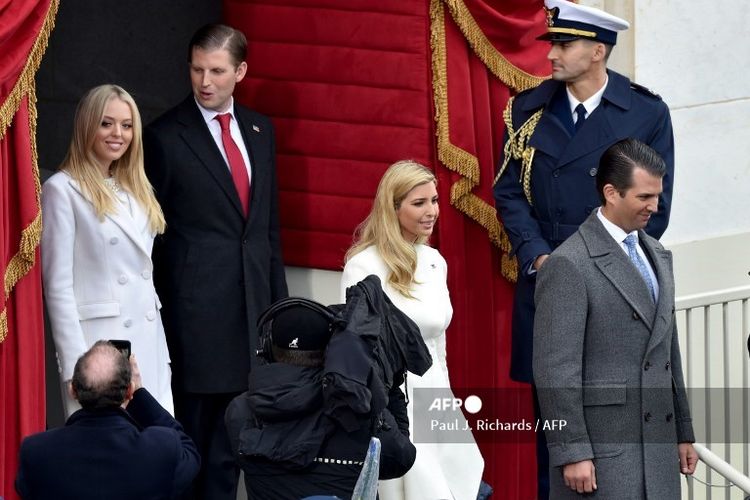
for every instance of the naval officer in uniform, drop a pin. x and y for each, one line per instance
(555, 135)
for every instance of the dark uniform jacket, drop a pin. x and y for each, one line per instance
(562, 183)
(110, 453)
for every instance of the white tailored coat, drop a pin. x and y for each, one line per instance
(98, 283)
(442, 470)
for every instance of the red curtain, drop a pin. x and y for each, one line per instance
(482, 53)
(347, 85)
(354, 85)
(24, 30)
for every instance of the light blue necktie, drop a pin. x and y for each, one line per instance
(631, 243)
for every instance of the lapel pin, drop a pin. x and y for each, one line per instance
(256, 128)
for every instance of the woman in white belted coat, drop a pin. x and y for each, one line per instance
(99, 218)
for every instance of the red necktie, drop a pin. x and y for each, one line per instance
(236, 163)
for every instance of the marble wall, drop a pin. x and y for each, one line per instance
(694, 55)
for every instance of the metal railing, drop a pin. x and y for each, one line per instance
(715, 462)
(713, 330)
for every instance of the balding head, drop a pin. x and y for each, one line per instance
(101, 377)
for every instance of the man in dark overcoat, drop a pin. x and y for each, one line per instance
(219, 264)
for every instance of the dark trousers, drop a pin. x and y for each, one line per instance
(202, 416)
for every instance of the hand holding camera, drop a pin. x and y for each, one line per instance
(124, 347)
(136, 374)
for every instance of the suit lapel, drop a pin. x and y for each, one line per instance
(555, 127)
(616, 267)
(595, 132)
(600, 127)
(559, 107)
(252, 134)
(555, 133)
(257, 137)
(123, 220)
(141, 223)
(661, 260)
(198, 138)
(550, 136)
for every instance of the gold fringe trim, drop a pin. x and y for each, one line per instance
(21, 263)
(512, 76)
(26, 78)
(517, 147)
(457, 159)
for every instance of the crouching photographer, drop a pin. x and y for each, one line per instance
(304, 425)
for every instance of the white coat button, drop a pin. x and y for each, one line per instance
(151, 315)
(113, 240)
(146, 274)
(122, 279)
(128, 323)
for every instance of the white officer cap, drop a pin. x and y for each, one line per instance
(568, 21)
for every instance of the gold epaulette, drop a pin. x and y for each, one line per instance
(517, 147)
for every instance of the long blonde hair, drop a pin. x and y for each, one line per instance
(382, 228)
(81, 162)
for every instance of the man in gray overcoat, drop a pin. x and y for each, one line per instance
(606, 355)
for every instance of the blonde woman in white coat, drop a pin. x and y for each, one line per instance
(391, 243)
(100, 217)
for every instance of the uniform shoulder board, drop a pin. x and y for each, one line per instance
(644, 90)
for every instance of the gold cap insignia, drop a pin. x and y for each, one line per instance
(551, 15)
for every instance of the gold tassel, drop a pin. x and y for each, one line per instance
(457, 159)
(517, 147)
(3, 325)
(26, 79)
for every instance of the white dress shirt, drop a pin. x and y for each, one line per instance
(619, 236)
(590, 104)
(214, 127)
